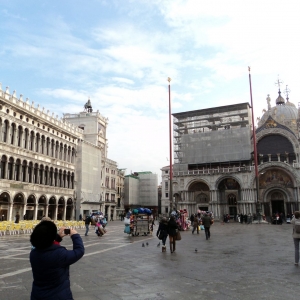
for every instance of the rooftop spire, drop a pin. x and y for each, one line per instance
(286, 92)
(279, 100)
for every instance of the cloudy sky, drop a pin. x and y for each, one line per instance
(121, 52)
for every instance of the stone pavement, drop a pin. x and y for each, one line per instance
(254, 261)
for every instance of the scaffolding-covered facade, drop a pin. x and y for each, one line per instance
(214, 161)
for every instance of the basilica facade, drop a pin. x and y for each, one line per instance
(214, 160)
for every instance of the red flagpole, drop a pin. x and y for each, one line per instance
(170, 141)
(255, 147)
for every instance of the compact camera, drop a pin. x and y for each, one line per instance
(67, 231)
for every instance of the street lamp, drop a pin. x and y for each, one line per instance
(170, 140)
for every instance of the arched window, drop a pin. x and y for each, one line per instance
(18, 170)
(10, 169)
(36, 173)
(68, 180)
(72, 181)
(55, 177)
(13, 133)
(20, 133)
(5, 131)
(43, 144)
(37, 143)
(73, 155)
(26, 138)
(24, 170)
(51, 177)
(69, 154)
(3, 166)
(61, 150)
(41, 174)
(30, 171)
(46, 175)
(60, 179)
(57, 150)
(52, 148)
(64, 179)
(65, 153)
(31, 142)
(48, 146)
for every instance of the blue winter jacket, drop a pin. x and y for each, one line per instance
(50, 268)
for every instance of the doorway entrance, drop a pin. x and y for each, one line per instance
(277, 206)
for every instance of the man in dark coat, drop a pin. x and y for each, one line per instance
(206, 221)
(50, 262)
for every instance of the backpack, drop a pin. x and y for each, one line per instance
(297, 226)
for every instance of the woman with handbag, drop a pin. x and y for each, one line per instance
(162, 232)
(172, 230)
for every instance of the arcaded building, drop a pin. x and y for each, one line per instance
(38, 151)
(214, 160)
(56, 167)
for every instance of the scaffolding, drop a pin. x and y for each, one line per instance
(212, 135)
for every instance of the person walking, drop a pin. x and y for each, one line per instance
(50, 262)
(296, 235)
(172, 231)
(207, 221)
(87, 222)
(196, 224)
(162, 232)
(17, 219)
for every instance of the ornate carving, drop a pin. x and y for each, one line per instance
(277, 164)
(271, 124)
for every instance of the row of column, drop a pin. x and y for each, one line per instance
(22, 212)
(35, 143)
(25, 173)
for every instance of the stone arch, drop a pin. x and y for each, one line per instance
(31, 207)
(5, 197)
(3, 170)
(278, 131)
(52, 207)
(69, 209)
(5, 200)
(32, 199)
(18, 205)
(193, 183)
(289, 200)
(61, 208)
(42, 207)
(279, 165)
(221, 178)
(228, 188)
(10, 163)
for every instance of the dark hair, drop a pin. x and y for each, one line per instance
(43, 235)
(297, 214)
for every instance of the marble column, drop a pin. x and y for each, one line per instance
(36, 207)
(65, 212)
(10, 210)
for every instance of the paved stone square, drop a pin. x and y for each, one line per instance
(240, 261)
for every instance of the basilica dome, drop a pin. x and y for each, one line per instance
(284, 113)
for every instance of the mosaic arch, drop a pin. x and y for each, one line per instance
(275, 176)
